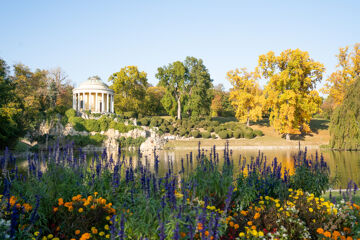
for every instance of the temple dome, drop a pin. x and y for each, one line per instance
(93, 83)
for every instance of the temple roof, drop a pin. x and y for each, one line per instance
(93, 83)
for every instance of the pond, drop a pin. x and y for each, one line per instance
(345, 165)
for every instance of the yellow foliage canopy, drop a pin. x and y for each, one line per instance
(290, 92)
(245, 96)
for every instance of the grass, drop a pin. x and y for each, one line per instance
(319, 136)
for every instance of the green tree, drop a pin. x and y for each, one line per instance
(220, 104)
(199, 95)
(290, 92)
(187, 87)
(174, 78)
(153, 98)
(345, 121)
(130, 87)
(11, 108)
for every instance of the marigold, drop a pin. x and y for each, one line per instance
(327, 234)
(182, 234)
(77, 232)
(320, 231)
(231, 224)
(236, 226)
(60, 201)
(249, 223)
(200, 226)
(80, 210)
(257, 215)
(85, 236)
(55, 209)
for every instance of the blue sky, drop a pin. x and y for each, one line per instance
(88, 38)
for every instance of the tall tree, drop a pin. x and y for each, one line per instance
(348, 70)
(246, 96)
(153, 98)
(290, 92)
(130, 87)
(59, 88)
(345, 121)
(187, 87)
(11, 109)
(174, 78)
(200, 83)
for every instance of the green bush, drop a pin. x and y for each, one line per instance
(78, 123)
(205, 134)
(249, 133)
(92, 125)
(183, 132)
(70, 113)
(213, 136)
(230, 133)
(195, 134)
(156, 122)
(131, 142)
(130, 114)
(82, 141)
(210, 129)
(144, 121)
(104, 123)
(163, 128)
(238, 134)
(258, 133)
(121, 127)
(223, 134)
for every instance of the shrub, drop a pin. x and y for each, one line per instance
(144, 121)
(104, 123)
(210, 129)
(156, 122)
(249, 133)
(183, 132)
(70, 113)
(230, 133)
(131, 142)
(130, 114)
(213, 136)
(205, 134)
(223, 134)
(78, 123)
(82, 141)
(214, 123)
(121, 127)
(258, 133)
(92, 125)
(163, 128)
(195, 134)
(238, 134)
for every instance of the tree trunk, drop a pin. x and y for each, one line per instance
(287, 137)
(248, 122)
(178, 109)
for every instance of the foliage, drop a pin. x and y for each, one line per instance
(126, 142)
(130, 86)
(246, 96)
(345, 121)
(153, 106)
(206, 134)
(223, 134)
(340, 81)
(83, 141)
(195, 134)
(220, 104)
(187, 87)
(290, 93)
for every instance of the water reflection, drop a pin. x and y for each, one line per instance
(345, 165)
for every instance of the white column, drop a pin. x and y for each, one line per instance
(108, 103)
(78, 102)
(89, 101)
(112, 103)
(102, 102)
(96, 102)
(74, 101)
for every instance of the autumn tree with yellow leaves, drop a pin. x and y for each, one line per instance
(290, 93)
(245, 96)
(348, 70)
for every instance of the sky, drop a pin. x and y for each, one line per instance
(87, 38)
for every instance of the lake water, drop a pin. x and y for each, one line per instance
(345, 165)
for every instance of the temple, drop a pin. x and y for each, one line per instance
(93, 95)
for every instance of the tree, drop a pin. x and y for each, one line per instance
(245, 96)
(345, 121)
(11, 109)
(153, 98)
(187, 87)
(174, 78)
(349, 69)
(290, 92)
(130, 86)
(59, 88)
(200, 83)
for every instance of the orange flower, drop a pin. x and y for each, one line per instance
(349, 238)
(249, 223)
(182, 234)
(206, 233)
(27, 207)
(346, 229)
(55, 209)
(236, 226)
(85, 236)
(61, 201)
(336, 234)
(243, 212)
(257, 215)
(77, 232)
(231, 224)
(200, 226)
(327, 234)
(320, 231)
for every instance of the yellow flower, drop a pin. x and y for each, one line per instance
(50, 236)
(241, 234)
(311, 210)
(94, 230)
(101, 234)
(107, 236)
(106, 227)
(277, 205)
(108, 218)
(95, 193)
(44, 238)
(36, 234)
(56, 238)
(80, 210)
